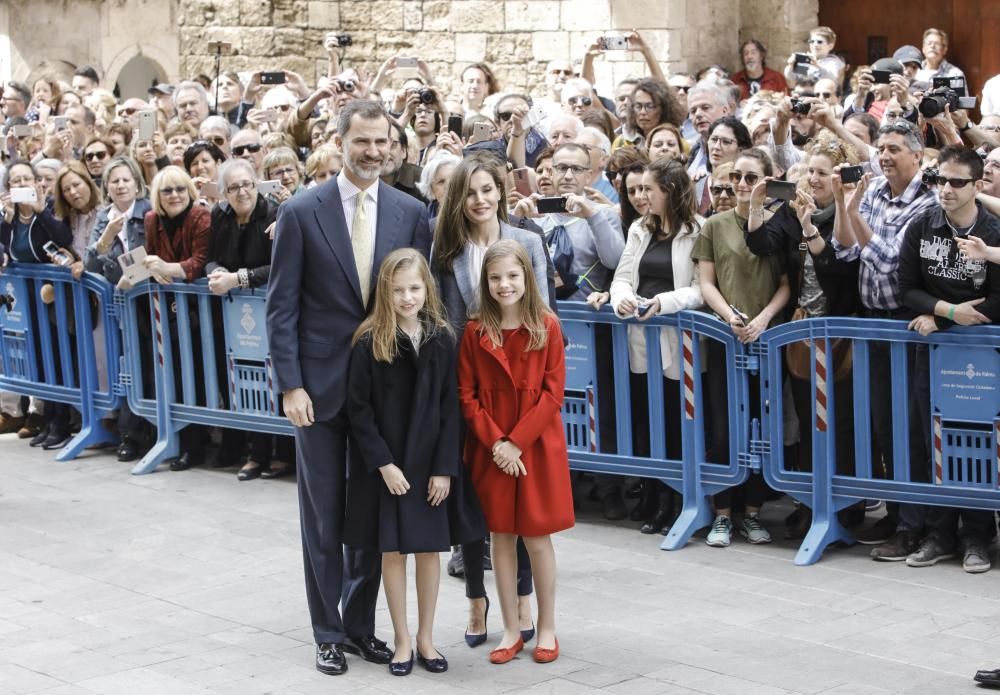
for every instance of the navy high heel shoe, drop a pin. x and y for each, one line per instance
(476, 640)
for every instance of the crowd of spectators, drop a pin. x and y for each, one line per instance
(664, 202)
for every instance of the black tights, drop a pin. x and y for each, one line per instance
(472, 556)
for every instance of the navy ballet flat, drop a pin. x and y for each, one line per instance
(476, 640)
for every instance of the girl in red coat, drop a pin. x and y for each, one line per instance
(511, 372)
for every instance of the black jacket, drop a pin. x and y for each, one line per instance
(931, 268)
(407, 413)
(233, 248)
(782, 234)
(44, 227)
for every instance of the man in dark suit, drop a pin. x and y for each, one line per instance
(328, 247)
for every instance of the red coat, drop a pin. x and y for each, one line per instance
(520, 399)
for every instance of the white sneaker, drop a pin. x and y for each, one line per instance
(753, 530)
(722, 530)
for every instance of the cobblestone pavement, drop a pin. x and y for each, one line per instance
(190, 583)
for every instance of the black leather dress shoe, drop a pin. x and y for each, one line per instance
(991, 679)
(438, 665)
(57, 439)
(330, 659)
(185, 461)
(128, 450)
(401, 668)
(369, 648)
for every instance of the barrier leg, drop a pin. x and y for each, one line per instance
(167, 442)
(91, 432)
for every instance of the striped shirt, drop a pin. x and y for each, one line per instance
(887, 217)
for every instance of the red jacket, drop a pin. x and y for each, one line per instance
(771, 80)
(521, 399)
(189, 246)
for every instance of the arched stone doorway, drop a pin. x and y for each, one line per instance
(137, 76)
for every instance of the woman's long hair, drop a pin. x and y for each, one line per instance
(663, 95)
(381, 325)
(453, 228)
(673, 180)
(532, 306)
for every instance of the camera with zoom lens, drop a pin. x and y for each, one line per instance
(344, 85)
(934, 102)
(801, 107)
(426, 95)
(929, 177)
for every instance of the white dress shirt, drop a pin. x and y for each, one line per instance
(348, 197)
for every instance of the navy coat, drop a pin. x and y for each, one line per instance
(407, 413)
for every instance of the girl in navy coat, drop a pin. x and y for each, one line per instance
(405, 420)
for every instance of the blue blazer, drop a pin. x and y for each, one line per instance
(314, 295)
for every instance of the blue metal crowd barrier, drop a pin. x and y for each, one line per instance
(694, 477)
(48, 346)
(253, 400)
(964, 410)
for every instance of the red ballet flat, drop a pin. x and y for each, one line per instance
(545, 656)
(502, 656)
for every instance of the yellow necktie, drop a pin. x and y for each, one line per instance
(361, 243)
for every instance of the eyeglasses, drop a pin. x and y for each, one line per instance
(584, 101)
(235, 188)
(240, 150)
(639, 106)
(278, 173)
(721, 141)
(736, 176)
(127, 111)
(423, 111)
(563, 169)
(825, 95)
(100, 155)
(955, 183)
(719, 190)
(173, 190)
(504, 115)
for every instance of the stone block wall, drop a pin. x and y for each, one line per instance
(516, 37)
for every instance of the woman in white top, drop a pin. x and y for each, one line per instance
(656, 276)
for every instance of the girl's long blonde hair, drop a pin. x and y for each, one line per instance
(381, 325)
(533, 308)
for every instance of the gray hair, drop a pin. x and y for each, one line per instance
(216, 123)
(579, 84)
(712, 91)
(602, 140)
(231, 166)
(431, 168)
(911, 135)
(365, 108)
(190, 84)
(49, 163)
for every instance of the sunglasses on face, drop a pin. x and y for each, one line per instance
(685, 89)
(719, 190)
(240, 150)
(126, 111)
(505, 115)
(736, 176)
(91, 156)
(573, 101)
(173, 190)
(955, 183)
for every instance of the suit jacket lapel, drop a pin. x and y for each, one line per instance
(463, 276)
(387, 227)
(330, 216)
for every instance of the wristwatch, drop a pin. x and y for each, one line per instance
(811, 237)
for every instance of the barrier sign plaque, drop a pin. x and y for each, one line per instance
(965, 383)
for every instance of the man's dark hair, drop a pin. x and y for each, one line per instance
(89, 117)
(87, 71)
(740, 132)
(960, 154)
(22, 91)
(365, 108)
(868, 121)
(759, 46)
(401, 132)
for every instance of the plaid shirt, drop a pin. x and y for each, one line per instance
(888, 218)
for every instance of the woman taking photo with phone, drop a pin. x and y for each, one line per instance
(748, 293)
(821, 285)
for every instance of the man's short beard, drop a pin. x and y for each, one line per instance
(366, 173)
